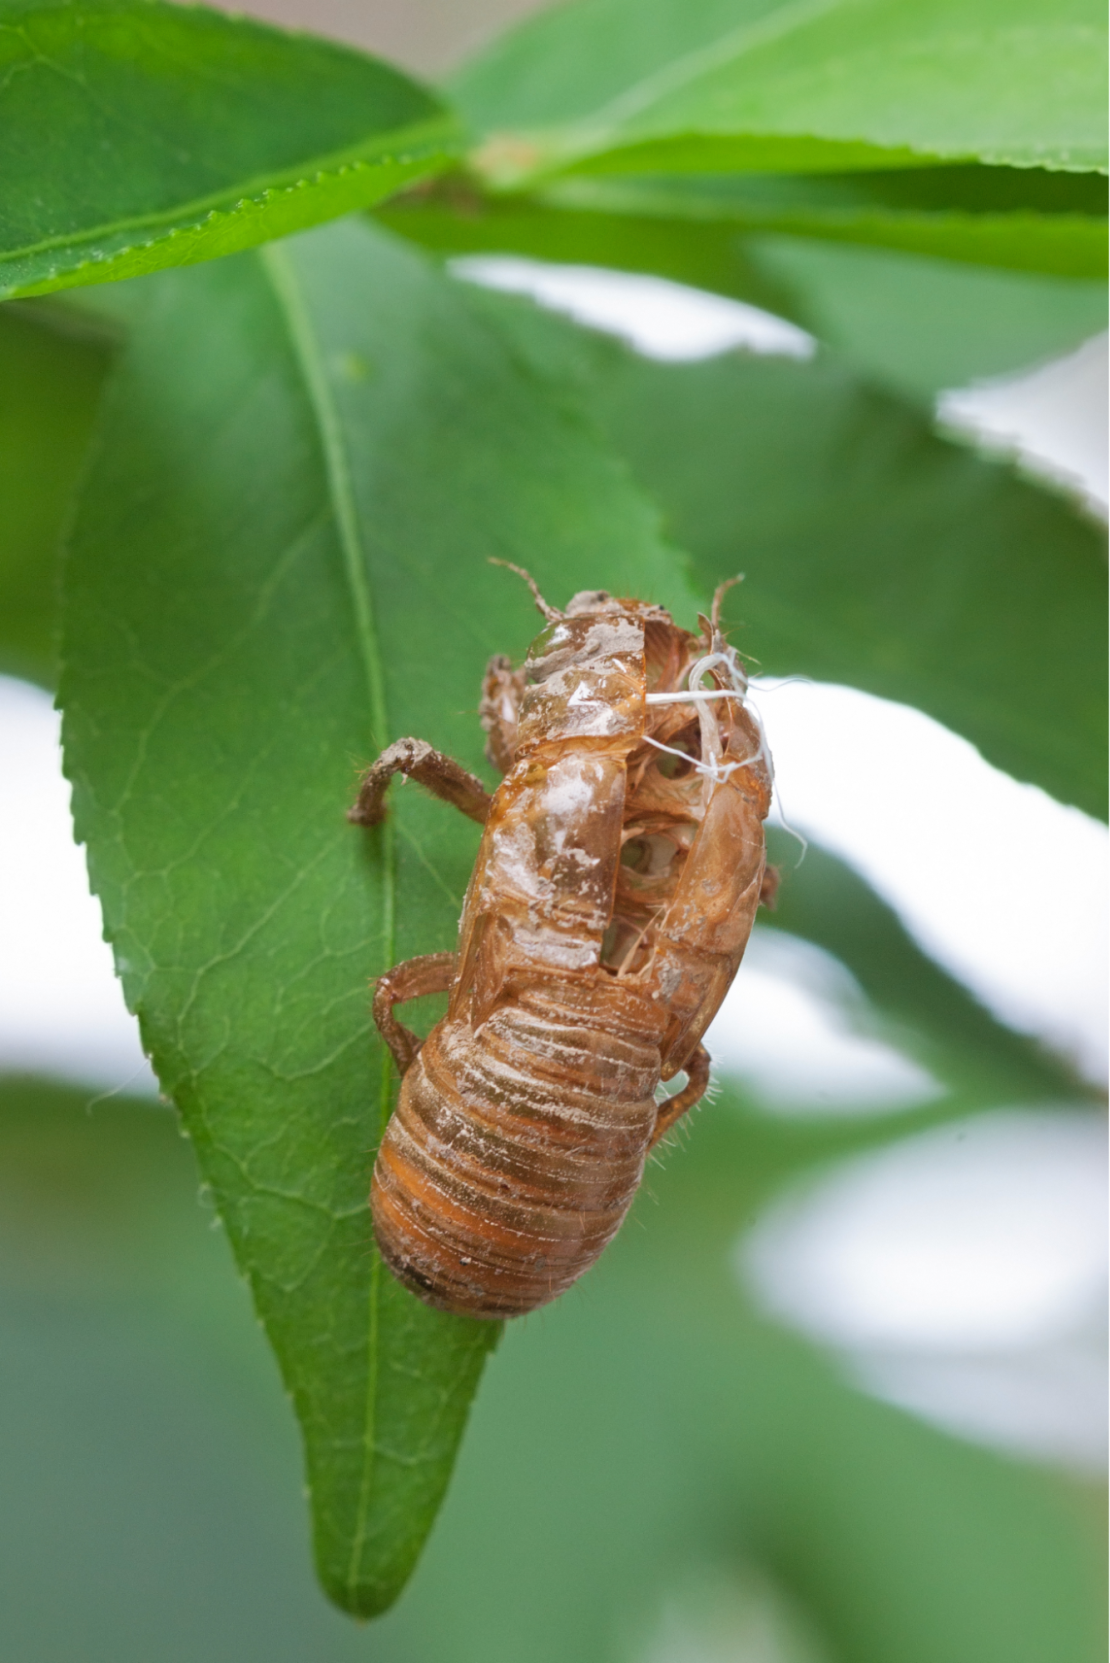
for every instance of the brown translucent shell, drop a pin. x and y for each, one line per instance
(610, 905)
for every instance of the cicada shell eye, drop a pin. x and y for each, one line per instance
(588, 600)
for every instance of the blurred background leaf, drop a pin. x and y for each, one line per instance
(1029, 219)
(980, 1062)
(916, 322)
(874, 552)
(620, 85)
(52, 368)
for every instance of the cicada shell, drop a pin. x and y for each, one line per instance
(616, 883)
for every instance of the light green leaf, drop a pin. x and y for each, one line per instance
(921, 325)
(803, 86)
(280, 562)
(136, 135)
(51, 371)
(878, 554)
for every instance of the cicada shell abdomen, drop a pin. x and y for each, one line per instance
(514, 1154)
(611, 899)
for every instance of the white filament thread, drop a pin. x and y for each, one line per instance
(713, 769)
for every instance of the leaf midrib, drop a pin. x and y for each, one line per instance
(306, 349)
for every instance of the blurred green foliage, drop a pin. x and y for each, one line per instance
(279, 515)
(646, 1438)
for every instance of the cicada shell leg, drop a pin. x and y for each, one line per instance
(502, 691)
(419, 761)
(431, 973)
(673, 1108)
(701, 938)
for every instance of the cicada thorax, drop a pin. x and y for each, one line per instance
(610, 902)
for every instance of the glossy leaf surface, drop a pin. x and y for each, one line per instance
(281, 562)
(135, 135)
(805, 86)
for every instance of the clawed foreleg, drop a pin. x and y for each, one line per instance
(439, 774)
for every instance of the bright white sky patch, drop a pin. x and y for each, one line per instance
(659, 318)
(960, 1273)
(1003, 885)
(795, 1028)
(985, 1234)
(61, 1010)
(1052, 419)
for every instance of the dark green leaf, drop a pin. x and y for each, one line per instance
(1026, 219)
(51, 370)
(880, 555)
(809, 86)
(280, 562)
(918, 323)
(462, 221)
(135, 135)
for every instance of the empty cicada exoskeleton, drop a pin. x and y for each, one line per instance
(612, 898)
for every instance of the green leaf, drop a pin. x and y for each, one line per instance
(878, 554)
(280, 562)
(51, 372)
(706, 255)
(136, 135)
(804, 86)
(920, 325)
(917, 323)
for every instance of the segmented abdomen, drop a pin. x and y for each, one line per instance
(514, 1154)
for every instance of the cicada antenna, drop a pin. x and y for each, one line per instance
(719, 595)
(549, 612)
